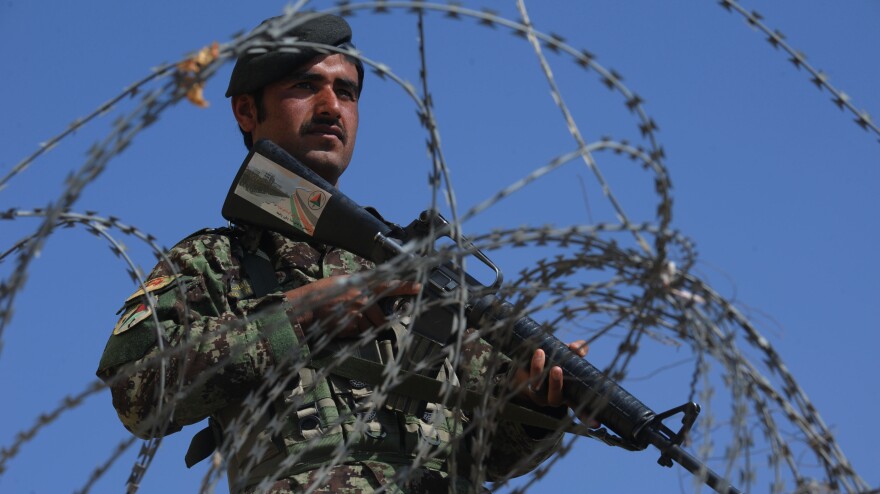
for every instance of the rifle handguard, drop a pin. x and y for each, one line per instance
(585, 385)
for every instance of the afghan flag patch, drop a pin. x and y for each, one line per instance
(152, 285)
(133, 316)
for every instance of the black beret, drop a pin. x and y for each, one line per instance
(254, 71)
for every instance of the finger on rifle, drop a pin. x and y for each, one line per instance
(374, 315)
(554, 387)
(363, 324)
(579, 347)
(536, 370)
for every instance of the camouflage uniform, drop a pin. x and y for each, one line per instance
(224, 347)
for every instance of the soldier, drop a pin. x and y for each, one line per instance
(231, 326)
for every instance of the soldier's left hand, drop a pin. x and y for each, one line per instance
(543, 387)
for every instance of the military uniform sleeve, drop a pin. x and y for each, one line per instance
(515, 449)
(218, 343)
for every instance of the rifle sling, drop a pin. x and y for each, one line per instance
(261, 273)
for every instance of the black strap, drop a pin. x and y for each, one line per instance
(203, 443)
(259, 269)
(257, 265)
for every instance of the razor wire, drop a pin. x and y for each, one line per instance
(642, 292)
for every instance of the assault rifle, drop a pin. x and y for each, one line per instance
(272, 190)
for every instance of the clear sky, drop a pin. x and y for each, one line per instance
(774, 184)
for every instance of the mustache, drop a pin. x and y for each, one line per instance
(318, 121)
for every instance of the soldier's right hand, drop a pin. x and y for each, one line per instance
(347, 311)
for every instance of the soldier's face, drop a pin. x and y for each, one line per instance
(313, 115)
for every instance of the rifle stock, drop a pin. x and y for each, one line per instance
(274, 191)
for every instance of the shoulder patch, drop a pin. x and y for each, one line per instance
(133, 316)
(152, 285)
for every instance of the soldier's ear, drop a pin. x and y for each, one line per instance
(245, 110)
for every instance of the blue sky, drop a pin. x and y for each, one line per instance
(773, 183)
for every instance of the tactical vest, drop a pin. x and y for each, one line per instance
(319, 417)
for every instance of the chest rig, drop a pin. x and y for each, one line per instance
(323, 416)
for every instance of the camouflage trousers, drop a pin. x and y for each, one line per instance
(372, 476)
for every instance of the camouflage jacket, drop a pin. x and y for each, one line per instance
(200, 344)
